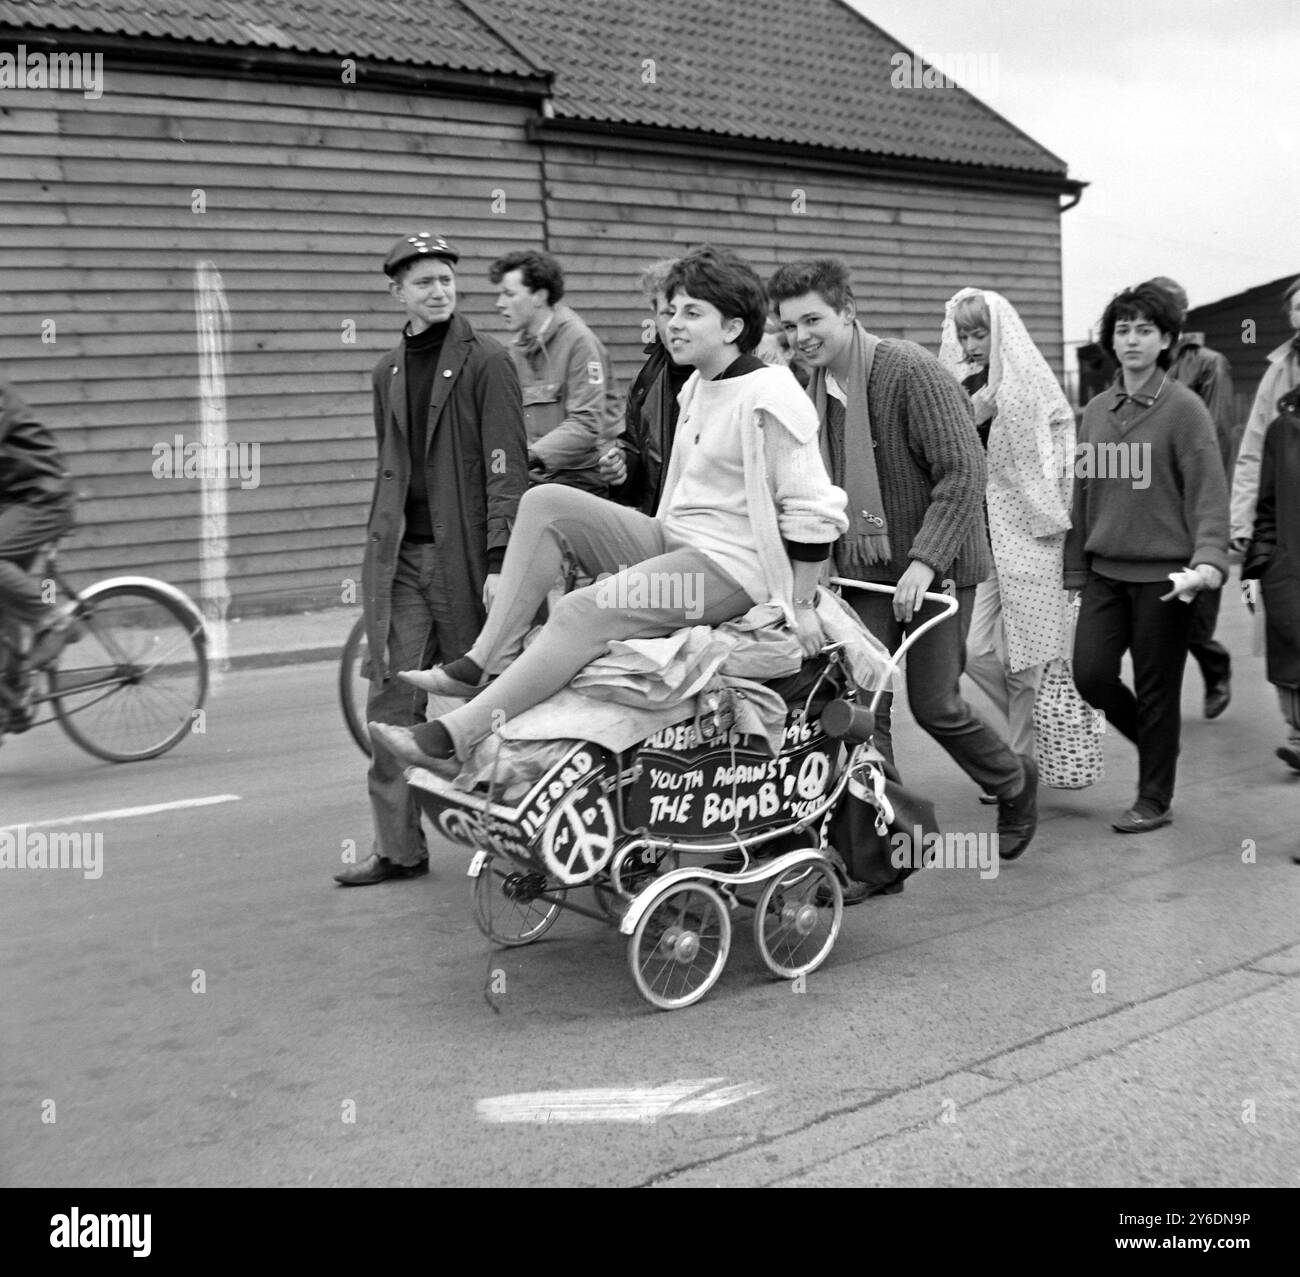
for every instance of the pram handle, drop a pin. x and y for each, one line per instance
(948, 607)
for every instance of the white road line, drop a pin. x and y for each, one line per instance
(617, 1104)
(125, 813)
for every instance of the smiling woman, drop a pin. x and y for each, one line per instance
(747, 516)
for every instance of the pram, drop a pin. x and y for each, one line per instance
(621, 824)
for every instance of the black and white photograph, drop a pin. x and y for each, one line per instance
(649, 594)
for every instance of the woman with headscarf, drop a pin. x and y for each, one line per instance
(1019, 621)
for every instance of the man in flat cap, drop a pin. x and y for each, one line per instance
(453, 463)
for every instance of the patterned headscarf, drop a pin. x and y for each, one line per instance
(1032, 411)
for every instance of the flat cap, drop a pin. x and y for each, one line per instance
(422, 244)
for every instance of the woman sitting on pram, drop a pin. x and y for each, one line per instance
(748, 516)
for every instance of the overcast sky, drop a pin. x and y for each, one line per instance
(1183, 115)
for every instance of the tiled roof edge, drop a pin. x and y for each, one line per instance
(883, 162)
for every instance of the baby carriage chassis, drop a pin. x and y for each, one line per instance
(752, 827)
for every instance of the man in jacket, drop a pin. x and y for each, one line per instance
(35, 509)
(1209, 374)
(572, 406)
(452, 467)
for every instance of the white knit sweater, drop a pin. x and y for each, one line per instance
(788, 491)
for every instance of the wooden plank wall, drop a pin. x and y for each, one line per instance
(910, 245)
(305, 189)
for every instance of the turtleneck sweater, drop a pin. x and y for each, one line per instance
(423, 350)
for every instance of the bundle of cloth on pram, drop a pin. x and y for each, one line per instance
(640, 686)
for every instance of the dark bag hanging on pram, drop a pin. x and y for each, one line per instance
(879, 829)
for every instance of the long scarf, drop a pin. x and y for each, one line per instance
(867, 540)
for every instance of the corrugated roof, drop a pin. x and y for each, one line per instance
(803, 72)
(442, 33)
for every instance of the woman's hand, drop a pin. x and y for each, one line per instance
(984, 405)
(808, 630)
(1211, 577)
(613, 467)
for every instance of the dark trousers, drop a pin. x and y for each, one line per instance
(1210, 655)
(24, 529)
(1125, 616)
(425, 630)
(934, 668)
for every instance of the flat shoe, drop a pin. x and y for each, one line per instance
(437, 682)
(1018, 816)
(1134, 822)
(1290, 755)
(1217, 698)
(401, 743)
(376, 868)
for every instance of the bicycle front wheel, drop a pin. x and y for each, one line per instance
(129, 683)
(354, 686)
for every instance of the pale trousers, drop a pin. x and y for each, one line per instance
(1012, 692)
(653, 588)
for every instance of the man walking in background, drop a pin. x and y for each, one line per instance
(573, 409)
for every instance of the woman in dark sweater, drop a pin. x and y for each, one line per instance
(1150, 500)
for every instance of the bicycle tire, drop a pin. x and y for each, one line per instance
(354, 687)
(129, 685)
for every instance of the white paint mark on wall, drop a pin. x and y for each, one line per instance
(212, 321)
(618, 1104)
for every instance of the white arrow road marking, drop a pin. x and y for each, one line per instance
(124, 813)
(617, 1103)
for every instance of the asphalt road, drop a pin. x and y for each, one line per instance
(1108, 1010)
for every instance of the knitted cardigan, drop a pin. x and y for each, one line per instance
(931, 467)
(787, 489)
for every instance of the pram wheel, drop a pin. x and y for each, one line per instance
(506, 905)
(797, 919)
(680, 945)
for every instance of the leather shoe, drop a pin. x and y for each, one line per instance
(401, 743)
(1138, 821)
(1018, 816)
(1290, 755)
(376, 868)
(1217, 697)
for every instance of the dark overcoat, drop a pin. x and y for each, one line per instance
(1277, 537)
(476, 469)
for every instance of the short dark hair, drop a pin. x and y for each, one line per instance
(536, 268)
(1146, 301)
(722, 279)
(828, 277)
